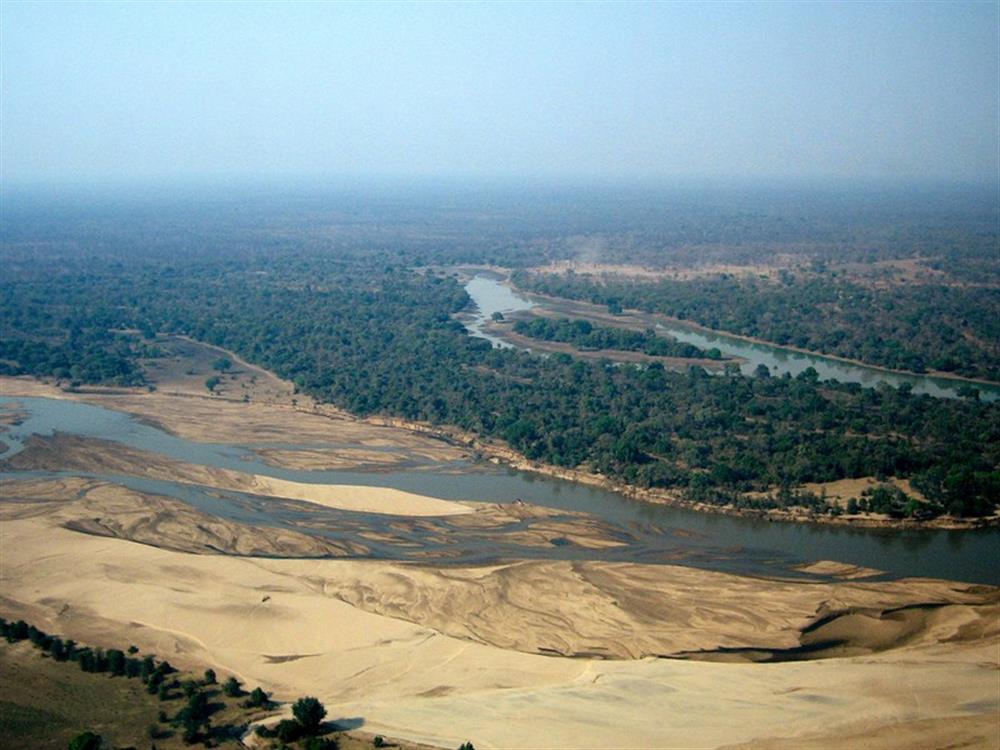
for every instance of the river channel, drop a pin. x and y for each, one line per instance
(490, 295)
(659, 533)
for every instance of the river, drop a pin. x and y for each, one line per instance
(490, 295)
(663, 534)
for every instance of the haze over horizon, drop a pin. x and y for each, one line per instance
(130, 92)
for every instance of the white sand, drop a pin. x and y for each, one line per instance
(358, 498)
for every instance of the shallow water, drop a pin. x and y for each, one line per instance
(660, 533)
(490, 295)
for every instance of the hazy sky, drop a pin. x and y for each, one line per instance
(140, 90)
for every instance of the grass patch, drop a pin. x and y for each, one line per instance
(46, 703)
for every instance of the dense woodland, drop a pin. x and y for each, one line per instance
(584, 335)
(350, 322)
(916, 327)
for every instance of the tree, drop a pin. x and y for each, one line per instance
(309, 712)
(86, 741)
(288, 730)
(116, 661)
(190, 735)
(222, 364)
(466, 746)
(258, 699)
(212, 382)
(209, 676)
(232, 688)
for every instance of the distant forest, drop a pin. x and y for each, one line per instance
(332, 302)
(923, 327)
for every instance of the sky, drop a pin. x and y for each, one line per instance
(145, 91)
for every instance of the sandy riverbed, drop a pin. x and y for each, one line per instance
(284, 624)
(62, 452)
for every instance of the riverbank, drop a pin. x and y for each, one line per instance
(211, 418)
(499, 453)
(505, 332)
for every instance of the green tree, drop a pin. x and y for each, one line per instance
(86, 741)
(258, 699)
(288, 730)
(232, 688)
(309, 712)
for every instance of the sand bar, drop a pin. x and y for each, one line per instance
(281, 623)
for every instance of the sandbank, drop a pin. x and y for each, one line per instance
(282, 624)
